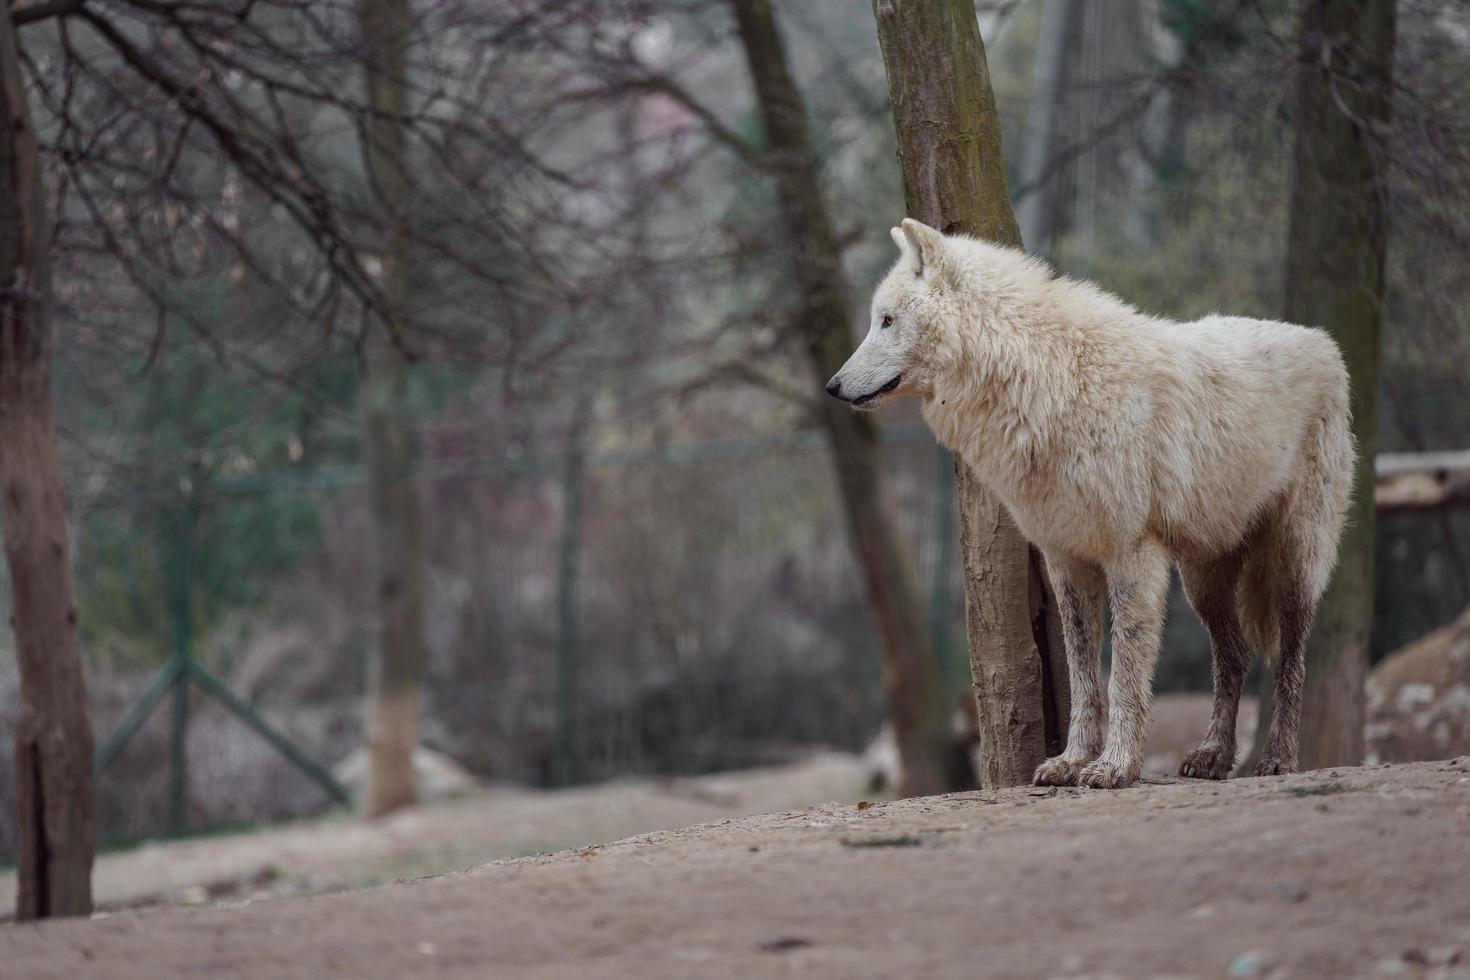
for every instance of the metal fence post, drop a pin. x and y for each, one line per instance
(176, 538)
(180, 554)
(568, 552)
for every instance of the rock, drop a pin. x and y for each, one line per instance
(1246, 965)
(439, 776)
(1419, 698)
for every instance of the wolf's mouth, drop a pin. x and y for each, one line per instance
(897, 379)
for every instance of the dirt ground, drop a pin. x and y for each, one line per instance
(1339, 873)
(341, 852)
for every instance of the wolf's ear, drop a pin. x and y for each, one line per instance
(910, 254)
(925, 249)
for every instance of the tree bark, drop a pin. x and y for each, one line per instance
(1335, 279)
(397, 665)
(913, 684)
(53, 732)
(954, 180)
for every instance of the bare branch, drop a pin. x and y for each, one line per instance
(35, 12)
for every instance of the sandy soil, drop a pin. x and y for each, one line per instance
(341, 852)
(1339, 873)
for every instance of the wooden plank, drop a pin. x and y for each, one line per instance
(1421, 481)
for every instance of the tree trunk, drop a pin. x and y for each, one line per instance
(1047, 89)
(914, 686)
(954, 180)
(398, 661)
(1335, 279)
(53, 732)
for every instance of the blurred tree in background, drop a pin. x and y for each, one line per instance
(398, 659)
(1335, 265)
(142, 111)
(918, 708)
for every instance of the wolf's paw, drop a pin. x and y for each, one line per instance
(1271, 765)
(1104, 774)
(1209, 761)
(1058, 771)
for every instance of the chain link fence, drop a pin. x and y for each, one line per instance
(674, 610)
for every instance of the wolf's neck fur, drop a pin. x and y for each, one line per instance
(1017, 359)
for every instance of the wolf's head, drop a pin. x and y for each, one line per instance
(895, 358)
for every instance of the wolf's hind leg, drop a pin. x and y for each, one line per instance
(1281, 749)
(1137, 586)
(1303, 553)
(1079, 589)
(1210, 587)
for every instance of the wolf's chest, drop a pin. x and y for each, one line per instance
(1064, 520)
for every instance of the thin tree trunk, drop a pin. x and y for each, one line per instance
(53, 732)
(1335, 279)
(1049, 83)
(398, 661)
(913, 684)
(954, 180)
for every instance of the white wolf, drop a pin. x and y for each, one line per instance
(1120, 443)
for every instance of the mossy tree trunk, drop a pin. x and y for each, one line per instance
(954, 179)
(397, 665)
(914, 686)
(52, 777)
(1335, 279)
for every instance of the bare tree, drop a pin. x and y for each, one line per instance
(954, 179)
(398, 661)
(53, 737)
(186, 141)
(1336, 249)
(913, 684)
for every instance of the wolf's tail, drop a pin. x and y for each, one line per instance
(1294, 547)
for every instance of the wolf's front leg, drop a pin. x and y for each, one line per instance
(1079, 590)
(1137, 586)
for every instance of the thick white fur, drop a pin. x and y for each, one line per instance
(1120, 441)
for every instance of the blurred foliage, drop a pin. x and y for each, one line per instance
(194, 437)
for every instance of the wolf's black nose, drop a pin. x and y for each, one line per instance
(834, 388)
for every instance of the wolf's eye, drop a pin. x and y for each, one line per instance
(887, 320)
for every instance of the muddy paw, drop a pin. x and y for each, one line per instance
(1209, 762)
(1107, 775)
(1271, 766)
(1058, 771)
